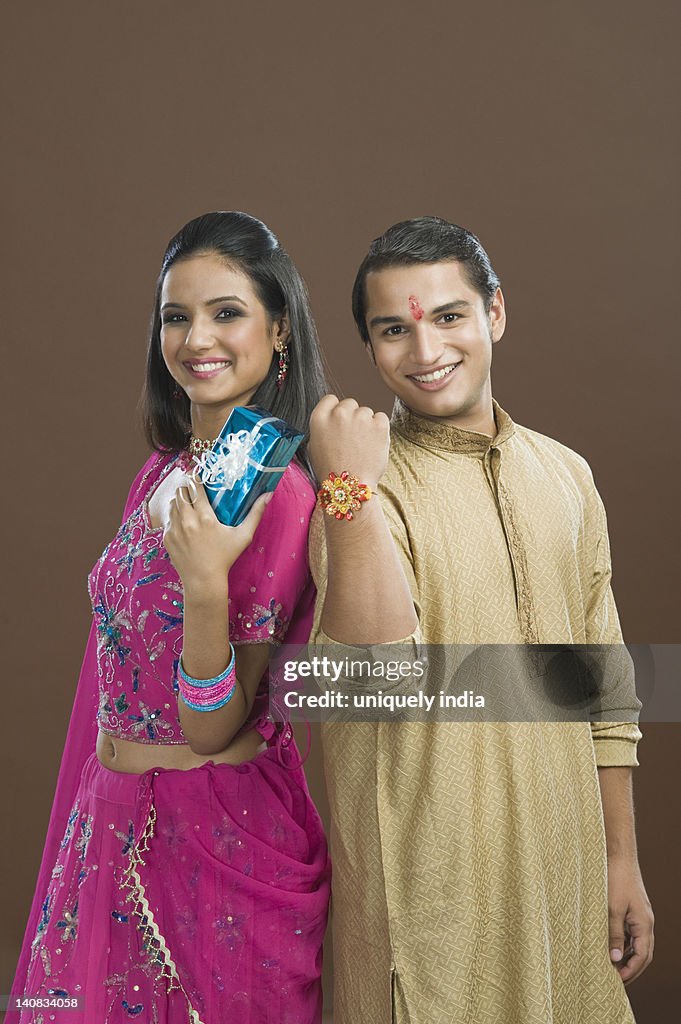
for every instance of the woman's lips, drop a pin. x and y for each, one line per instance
(207, 368)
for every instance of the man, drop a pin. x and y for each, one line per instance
(470, 857)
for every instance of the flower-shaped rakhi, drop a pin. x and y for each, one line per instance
(341, 496)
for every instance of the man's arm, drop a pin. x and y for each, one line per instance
(615, 738)
(367, 600)
(629, 911)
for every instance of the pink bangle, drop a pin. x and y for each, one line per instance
(207, 694)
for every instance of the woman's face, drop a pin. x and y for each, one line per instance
(216, 337)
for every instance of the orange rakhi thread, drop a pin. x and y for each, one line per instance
(342, 495)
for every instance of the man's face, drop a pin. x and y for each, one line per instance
(432, 339)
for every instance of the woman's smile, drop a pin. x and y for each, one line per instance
(206, 368)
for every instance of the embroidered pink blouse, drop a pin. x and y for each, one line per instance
(137, 602)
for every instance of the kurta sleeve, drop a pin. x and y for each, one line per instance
(271, 579)
(398, 528)
(615, 742)
(319, 568)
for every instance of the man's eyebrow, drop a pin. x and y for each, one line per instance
(210, 302)
(376, 321)
(452, 306)
(447, 307)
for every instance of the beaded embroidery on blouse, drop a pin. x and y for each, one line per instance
(137, 601)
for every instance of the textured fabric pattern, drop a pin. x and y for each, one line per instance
(469, 859)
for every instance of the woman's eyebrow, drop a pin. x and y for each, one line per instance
(210, 302)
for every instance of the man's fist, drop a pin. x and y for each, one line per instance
(347, 436)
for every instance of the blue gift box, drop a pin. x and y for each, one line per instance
(247, 460)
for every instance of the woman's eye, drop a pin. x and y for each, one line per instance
(173, 318)
(226, 314)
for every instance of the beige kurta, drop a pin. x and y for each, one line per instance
(469, 858)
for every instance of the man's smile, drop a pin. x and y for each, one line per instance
(435, 377)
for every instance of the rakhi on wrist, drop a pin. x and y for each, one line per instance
(341, 495)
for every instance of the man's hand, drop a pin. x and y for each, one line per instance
(630, 919)
(346, 436)
(629, 911)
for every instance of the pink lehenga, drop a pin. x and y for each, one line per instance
(180, 896)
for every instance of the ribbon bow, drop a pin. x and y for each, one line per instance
(225, 464)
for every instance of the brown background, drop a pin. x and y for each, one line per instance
(549, 129)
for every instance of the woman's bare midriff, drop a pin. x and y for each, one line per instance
(136, 758)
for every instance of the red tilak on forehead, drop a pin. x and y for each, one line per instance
(415, 308)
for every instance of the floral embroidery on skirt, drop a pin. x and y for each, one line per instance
(186, 897)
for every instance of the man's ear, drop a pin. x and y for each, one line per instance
(497, 316)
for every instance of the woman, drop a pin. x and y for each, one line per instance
(185, 875)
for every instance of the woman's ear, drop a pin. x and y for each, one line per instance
(282, 331)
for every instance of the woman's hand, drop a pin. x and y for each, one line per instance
(201, 548)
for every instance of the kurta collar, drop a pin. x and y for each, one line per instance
(445, 436)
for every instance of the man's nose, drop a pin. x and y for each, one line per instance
(426, 344)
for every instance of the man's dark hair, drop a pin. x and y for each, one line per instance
(248, 245)
(424, 240)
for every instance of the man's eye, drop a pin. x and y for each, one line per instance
(449, 318)
(393, 332)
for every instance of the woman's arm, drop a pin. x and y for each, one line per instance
(203, 551)
(205, 654)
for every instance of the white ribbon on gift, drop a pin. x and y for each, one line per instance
(225, 464)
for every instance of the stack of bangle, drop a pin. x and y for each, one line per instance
(207, 694)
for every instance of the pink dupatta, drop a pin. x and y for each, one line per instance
(81, 740)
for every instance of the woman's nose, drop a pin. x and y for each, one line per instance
(199, 336)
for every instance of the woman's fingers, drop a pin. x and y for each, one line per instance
(180, 507)
(197, 541)
(250, 524)
(198, 494)
(193, 493)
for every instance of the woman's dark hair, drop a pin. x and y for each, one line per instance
(424, 240)
(248, 245)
